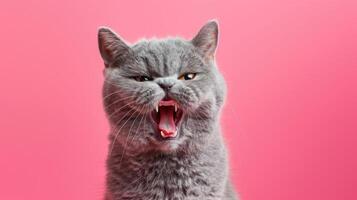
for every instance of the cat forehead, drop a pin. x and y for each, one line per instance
(162, 46)
(164, 56)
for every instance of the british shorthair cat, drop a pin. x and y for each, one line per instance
(163, 99)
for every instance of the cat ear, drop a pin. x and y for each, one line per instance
(111, 46)
(206, 39)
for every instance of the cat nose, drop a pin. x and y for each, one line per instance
(166, 83)
(166, 86)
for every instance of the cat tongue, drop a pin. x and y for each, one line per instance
(167, 122)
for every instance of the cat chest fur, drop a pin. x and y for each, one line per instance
(166, 177)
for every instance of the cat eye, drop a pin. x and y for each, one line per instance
(142, 78)
(187, 76)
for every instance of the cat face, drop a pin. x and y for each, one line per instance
(161, 94)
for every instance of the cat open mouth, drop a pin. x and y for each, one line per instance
(167, 116)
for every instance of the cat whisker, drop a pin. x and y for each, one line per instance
(136, 132)
(117, 132)
(127, 138)
(124, 106)
(108, 95)
(119, 99)
(119, 93)
(142, 109)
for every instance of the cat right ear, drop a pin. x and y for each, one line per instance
(111, 47)
(206, 39)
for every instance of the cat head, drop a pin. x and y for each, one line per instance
(161, 94)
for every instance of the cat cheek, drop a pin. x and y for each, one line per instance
(188, 99)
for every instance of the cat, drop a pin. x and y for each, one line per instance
(163, 99)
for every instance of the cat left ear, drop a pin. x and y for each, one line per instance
(207, 38)
(111, 47)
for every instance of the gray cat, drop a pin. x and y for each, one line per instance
(163, 99)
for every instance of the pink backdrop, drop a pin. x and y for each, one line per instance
(290, 118)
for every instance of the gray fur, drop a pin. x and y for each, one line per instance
(140, 165)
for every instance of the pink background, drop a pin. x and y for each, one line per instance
(290, 118)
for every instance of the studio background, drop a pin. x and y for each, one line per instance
(289, 120)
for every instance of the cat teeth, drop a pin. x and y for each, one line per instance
(165, 136)
(162, 134)
(175, 107)
(157, 108)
